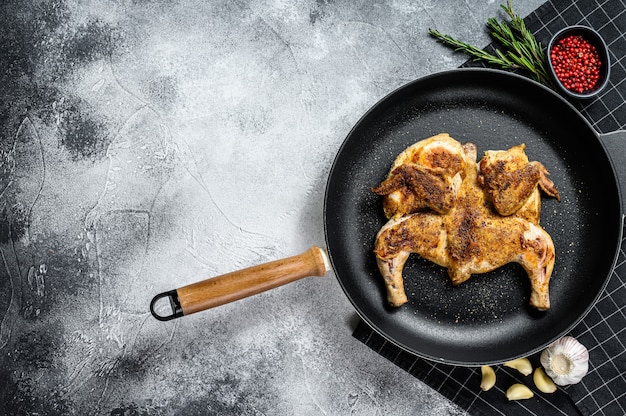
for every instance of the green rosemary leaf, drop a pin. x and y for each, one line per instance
(520, 49)
(474, 52)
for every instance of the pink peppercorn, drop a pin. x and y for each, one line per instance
(576, 63)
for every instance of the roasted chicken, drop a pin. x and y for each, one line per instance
(492, 219)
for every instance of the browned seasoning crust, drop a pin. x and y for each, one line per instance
(420, 187)
(470, 236)
(509, 178)
(424, 176)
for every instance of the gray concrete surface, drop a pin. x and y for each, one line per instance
(150, 144)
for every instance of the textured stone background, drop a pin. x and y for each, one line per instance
(150, 144)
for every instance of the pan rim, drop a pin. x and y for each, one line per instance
(332, 173)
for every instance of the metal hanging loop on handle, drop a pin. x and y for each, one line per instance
(176, 311)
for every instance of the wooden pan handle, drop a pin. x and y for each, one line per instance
(236, 285)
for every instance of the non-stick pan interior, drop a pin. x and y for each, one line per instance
(486, 319)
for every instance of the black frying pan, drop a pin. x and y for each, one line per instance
(486, 319)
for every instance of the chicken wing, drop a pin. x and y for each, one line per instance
(426, 175)
(509, 178)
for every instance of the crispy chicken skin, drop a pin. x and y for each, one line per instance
(426, 175)
(509, 178)
(411, 188)
(472, 238)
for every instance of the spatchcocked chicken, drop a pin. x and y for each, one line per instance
(466, 216)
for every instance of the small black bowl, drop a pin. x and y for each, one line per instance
(596, 40)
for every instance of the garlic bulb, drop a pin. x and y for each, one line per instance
(566, 361)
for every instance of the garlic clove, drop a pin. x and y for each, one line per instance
(522, 365)
(543, 382)
(519, 392)
(566, 361)
(489, 377)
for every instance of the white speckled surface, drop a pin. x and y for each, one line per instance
(150, 144)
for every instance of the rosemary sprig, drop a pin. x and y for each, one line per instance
(520, 48)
